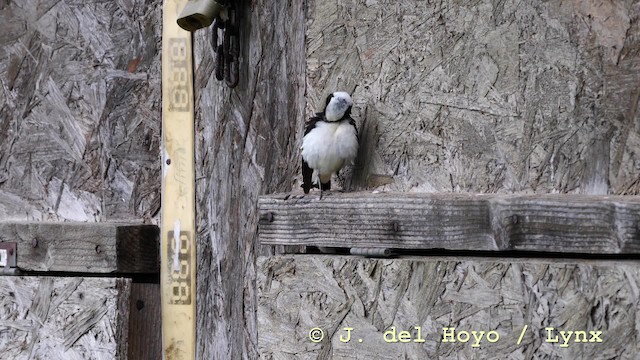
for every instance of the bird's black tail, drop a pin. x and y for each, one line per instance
(307, 174)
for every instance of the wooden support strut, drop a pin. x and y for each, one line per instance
(178, 247)
(538, 223)
(115, 248)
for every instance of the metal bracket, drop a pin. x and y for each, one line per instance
(8, 256)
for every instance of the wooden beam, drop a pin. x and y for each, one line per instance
(84, 247)
(145, 322)
(64, 318)
(549, 223)
(424, 296)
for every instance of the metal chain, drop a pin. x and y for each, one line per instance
(227, 52)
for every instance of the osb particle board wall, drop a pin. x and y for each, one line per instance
(370, 296)
(485, 96)
(63, 318)
(79, 110)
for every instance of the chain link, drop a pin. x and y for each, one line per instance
(227, 52)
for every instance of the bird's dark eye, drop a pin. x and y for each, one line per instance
(328, 99)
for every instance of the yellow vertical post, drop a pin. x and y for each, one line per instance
(178, 244)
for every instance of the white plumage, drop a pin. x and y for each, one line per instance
(330, 146)
(330, 141)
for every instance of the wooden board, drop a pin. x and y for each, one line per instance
(553, 223)
(245, 147)
(178, 250)
(145, 322)
(63, 318)
(299, 293)
(84, 247)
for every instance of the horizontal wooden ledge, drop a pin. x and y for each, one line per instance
(84, 247)
(488, 222)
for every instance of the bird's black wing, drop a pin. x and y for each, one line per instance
(307, 172)
(311, 124)
(353, 123)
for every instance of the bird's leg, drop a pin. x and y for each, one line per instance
(320, 185)
(342, 181)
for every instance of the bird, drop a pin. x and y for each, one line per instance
(330, 142)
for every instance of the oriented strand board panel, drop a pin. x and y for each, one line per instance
(484, 96)
(543, 223)
(63, 318)
(427, 297)
(79, 109)
(245, 147)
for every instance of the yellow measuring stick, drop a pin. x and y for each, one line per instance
(178, 244)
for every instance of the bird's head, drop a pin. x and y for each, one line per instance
(338, 106)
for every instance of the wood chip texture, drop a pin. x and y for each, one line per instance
(63, 318)
(244, 148)
(484, 96)
(79, 110)
(371, 296)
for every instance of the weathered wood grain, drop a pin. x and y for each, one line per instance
(300, 292)
(553, 223)
(145, 322)
(484, 96)
(79, 110)
(63, 318)
(245, 147)
(84, 247)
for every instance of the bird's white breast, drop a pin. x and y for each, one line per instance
(329, 146)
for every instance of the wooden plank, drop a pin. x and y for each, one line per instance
(240, 131)
(145, 322)
(178, 242)
(297, 293)
(84, 247)
(63, 318)
(552, 223)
